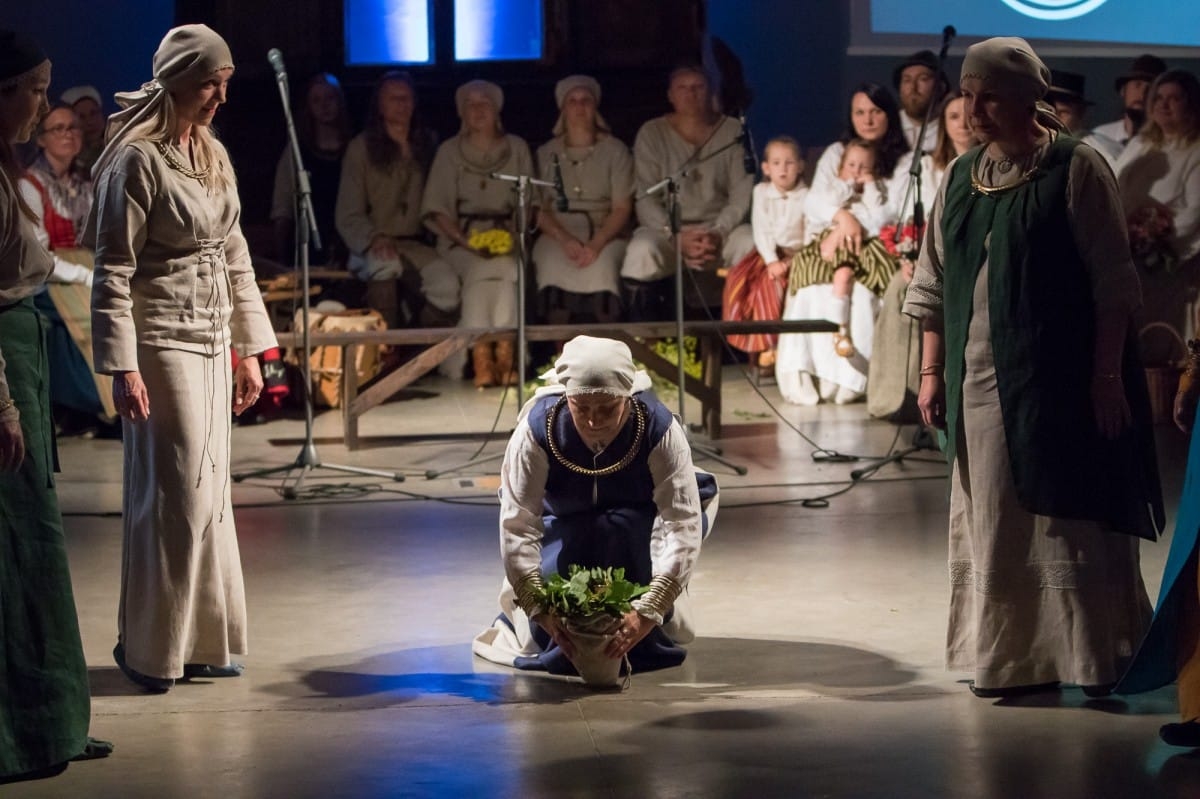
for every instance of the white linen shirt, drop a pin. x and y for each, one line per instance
(777, 219)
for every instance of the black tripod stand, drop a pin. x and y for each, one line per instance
(522, 184)
(306, 225)
(922, 438)
(670, 185)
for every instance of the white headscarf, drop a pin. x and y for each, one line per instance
(185, 57)
(591, 365)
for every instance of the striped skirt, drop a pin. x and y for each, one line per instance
(873, 265)
(751, 294)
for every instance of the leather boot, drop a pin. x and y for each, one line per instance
(485, 365)
(506, 373)
(381, 296)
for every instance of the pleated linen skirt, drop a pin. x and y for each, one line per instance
(45, 708)
(1034, 599)
(182, 597)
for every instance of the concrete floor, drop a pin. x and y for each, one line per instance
(818, 671)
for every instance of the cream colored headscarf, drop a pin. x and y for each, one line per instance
(591, 365)
(1008, 65)
(564, 87)
(185, 57)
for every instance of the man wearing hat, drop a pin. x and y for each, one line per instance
(1110, 138)
(1066, 96)
(920, 85)
(598, 473)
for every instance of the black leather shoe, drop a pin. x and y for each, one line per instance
(155, 685)
(202, 671)
(95, 749)
(1098, 691)
(1185, 733)
(1013, 690)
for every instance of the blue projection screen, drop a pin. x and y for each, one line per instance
(1085, 26)
(497, 30)
(388, 32)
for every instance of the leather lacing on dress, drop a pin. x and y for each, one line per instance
(211, 263)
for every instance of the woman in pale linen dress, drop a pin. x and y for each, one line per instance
(462, 197)
(44, 703)
(1025, 290)
(579, 252)
(808, 368)
(174, 290)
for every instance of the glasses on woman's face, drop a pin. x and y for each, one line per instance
(62, 130)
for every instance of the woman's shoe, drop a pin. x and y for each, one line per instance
(807, 394)
(1011, 691)
(203, 671)
(155, 685)
(1098, 691)
(1186, 733)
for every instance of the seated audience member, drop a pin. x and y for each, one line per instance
(714, 201)
(755, 285)
(598, 473)
(831, 271)
(379, 208)
(59, 193)
(1067, 98)
(1111, 137)
(472, 214)
(1159, 177)
(893, 378)
(920, 85)
(323, 132)
(89, 108)
(873, 117)
(579, 252)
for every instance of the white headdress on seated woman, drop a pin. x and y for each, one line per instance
(185, 57)
(1007, 65)
(564, 87)
(591, 365)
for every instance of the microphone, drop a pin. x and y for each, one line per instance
(948, 33)
(748, 162)
(276, 59)
(560, 192)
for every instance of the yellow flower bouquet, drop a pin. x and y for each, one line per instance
(496, 241)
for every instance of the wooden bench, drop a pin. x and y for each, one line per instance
(446, 341)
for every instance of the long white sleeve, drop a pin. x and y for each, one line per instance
(64, 271)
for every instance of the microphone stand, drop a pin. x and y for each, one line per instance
(523, 182)
(921, 439)
(306, 223)
(670, 185)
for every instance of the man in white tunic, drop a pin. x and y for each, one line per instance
(1110, 138)
(714, 201)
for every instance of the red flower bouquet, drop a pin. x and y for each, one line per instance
(904, 246)
(1151, 229)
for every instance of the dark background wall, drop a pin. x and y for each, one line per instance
(793, 53)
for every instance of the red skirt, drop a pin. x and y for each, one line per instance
(751, 294)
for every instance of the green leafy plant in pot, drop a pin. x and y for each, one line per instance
(591, 603)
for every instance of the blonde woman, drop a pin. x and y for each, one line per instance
(174, 291)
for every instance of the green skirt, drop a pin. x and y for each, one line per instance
(45, 707)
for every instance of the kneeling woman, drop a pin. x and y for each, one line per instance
(598, 473)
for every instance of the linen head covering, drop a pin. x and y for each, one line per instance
(590, 365)
(185, 57)
(564, 87)
(77, 93)
(485, 87)
(1008, 65)
(20, 57)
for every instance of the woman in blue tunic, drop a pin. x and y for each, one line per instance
(598, 473)
(1171, 649)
